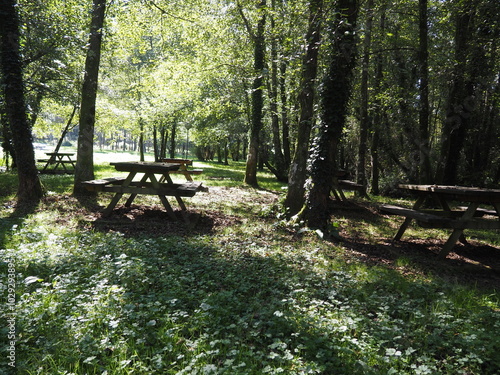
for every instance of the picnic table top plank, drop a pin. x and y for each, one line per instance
(174, 160)
(145, 167)
(60, 153)
(472, 194)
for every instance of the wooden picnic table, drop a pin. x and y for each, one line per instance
(155, 180)
(183, 168)
(467, 215)
(341, 183)
(58, 159)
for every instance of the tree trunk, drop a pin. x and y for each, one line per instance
(156, 149)
(172, 139)
(281, 169)
(335, 94)
(84, 169)
(65, 131)
(365, 119)
(141, 139)
(298, 170)
(7, 143)
(424, 172)
(377, 115)
(285, 127)
(164, 139)
(29, 187)
(257, 100)
(460, 100)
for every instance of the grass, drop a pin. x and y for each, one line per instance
(248, 296)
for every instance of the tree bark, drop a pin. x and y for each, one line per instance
(172, 139)
(141, 139)
(281, 169)
(66, 128)
(364, 114)
(29, 187)
(298, 170)
(84, 168)
(257, 100)
(335, 94)
(285, 127)
(424, 172)
(377, 118)
(460, 100)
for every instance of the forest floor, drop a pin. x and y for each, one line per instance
(243, 290)
(475, 264)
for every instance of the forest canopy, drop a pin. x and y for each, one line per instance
(423, 103)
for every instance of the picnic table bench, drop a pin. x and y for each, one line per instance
(458, 218)
(56, 160)
(342, 183)
(149, 184)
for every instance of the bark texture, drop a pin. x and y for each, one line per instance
(29, 188)
(84, 169)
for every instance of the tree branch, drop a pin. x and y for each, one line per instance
(164, 12)
(245, 21)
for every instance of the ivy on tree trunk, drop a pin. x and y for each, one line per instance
(29, 188)
(298, 170)
(257, 99)
(334, 97)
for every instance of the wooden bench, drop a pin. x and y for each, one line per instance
(480, 211)
(190, 171)
(98, 185)
(421, 217)
(350, 185)
(440, 219)
(114, 184)
(341, 185)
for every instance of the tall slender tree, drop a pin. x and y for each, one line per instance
(29, 188)
(280, 169)
(84, 169)
(461, 97)
(335, 94)
(424, 172)
(257, 97)
(365, 120)
(298, 170)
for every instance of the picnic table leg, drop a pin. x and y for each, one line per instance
(112, 204)
(118, 196)
(185, 216)
(168, 207)
(446, 207)
(184, 212)
(163, 198)
(50, 161)
(402, 229)
(335, 194)
(458, 232)
(130, 199)
(497, 208)
(187, 175)
(407, 221)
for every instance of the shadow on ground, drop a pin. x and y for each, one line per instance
(474, 264)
